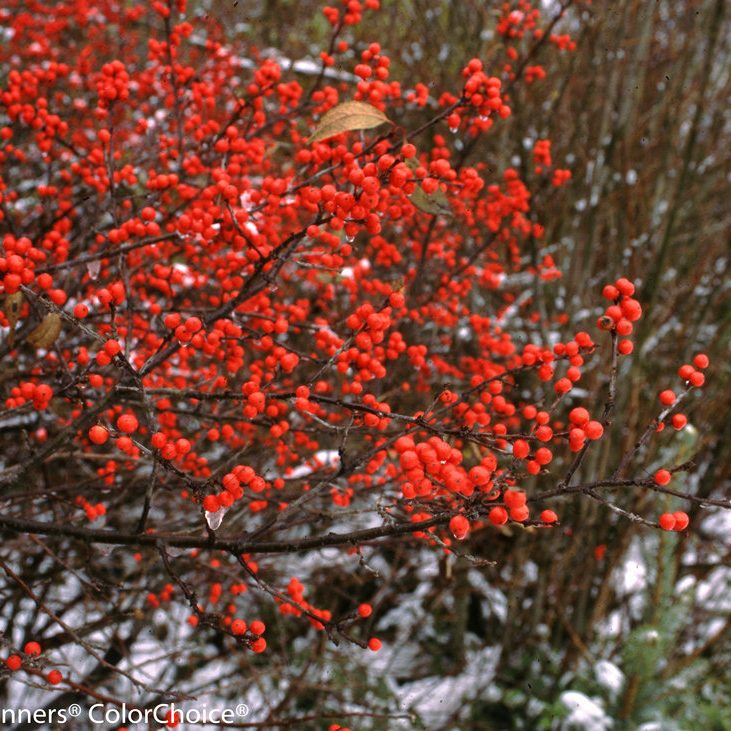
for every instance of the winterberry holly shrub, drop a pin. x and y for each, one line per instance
(256, 313)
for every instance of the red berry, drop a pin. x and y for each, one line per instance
(211, 504)
(686, 371)
(14, 662)
(543, 456)
(409, 460)
(593, 430)
(238, 626)
(479, 475)
(667, 397)
(521, 449)
(193, 324)
(289, 362)
(625, 347)
(631, 309)
(681, 520)
(624, 327)
(563, 385)
(548, 516)
(662, 477)
(259, 645)
(679, 421)
(520, 514)
(374, 644)
(32, 648)
(54, 677)
(112, 347)
(172, 320)
(697, 379)
(396, 299)
(667, 521)
(365, 610)
(98, 434)
(579, 416)
(625, 287)
(515, 498)
(498, 516)
(701, 360)
(257, 627)
(460, 527)
(127, 423)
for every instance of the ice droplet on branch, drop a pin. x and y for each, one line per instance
(214, 520)
(93, 267)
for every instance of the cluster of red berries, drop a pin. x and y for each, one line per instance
(560, 177)
(483, 93)
(692, 373)
(542, 154)
(92, 511)
(113, 83)
(434, 458)
(126, 424)
(515, 21)
(170, 449)
(256, 629)
(583, 427)
(110, 349)
(373, 64)
(515, 509)
(674, 521)
(233, 489)
(352, 12)
(18, 264)
(113, 294)
(623, 311)
(15, 662)
(534, 73)
(39, 394)
(694, 378)
(543, 360)
(30, 650)
(299, 605)
(163, 597)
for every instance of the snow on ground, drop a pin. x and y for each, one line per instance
(323, 458)
(609, 676)
(585, 712)
(437, 699)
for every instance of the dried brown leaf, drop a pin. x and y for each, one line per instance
(346, 117)
(46, 333)
(12, 307)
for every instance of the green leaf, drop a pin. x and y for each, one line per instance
(346, 117)
(437, 203)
